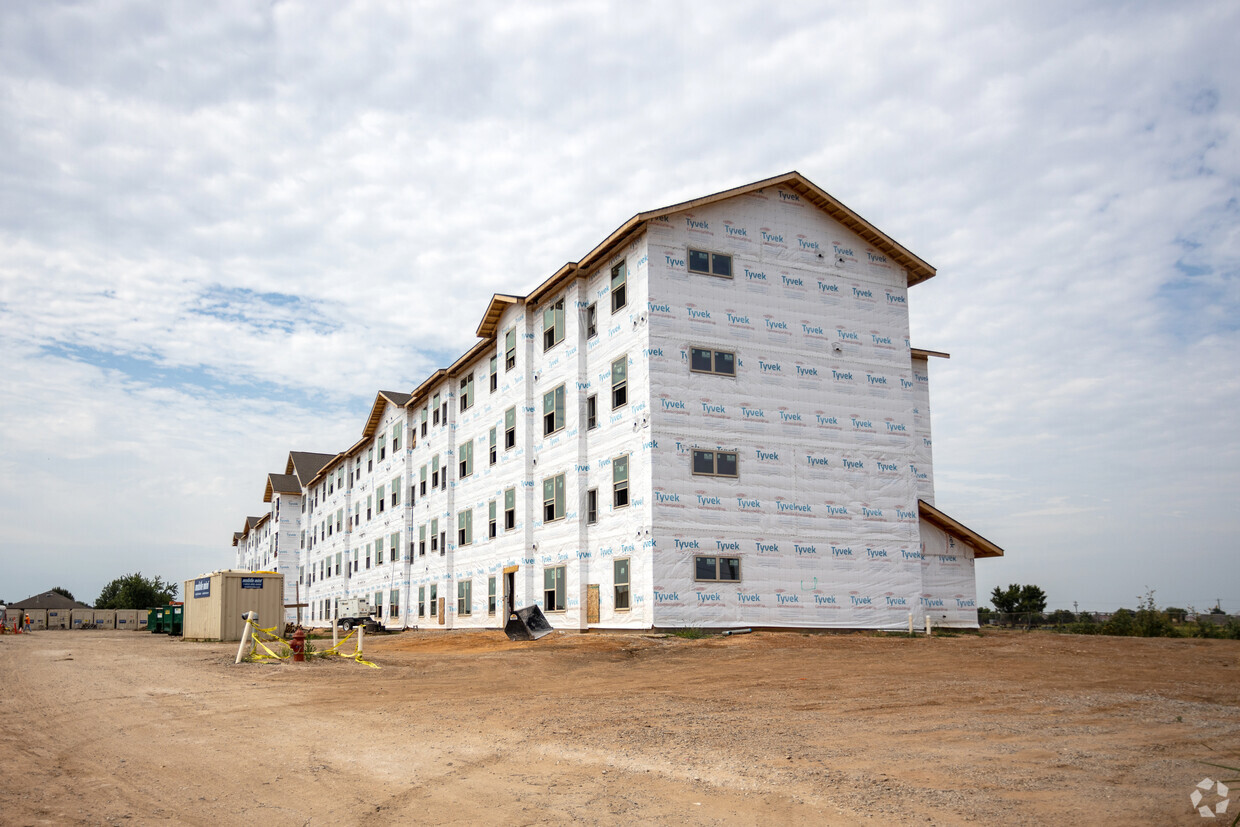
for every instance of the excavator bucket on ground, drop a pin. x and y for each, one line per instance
(527, 624)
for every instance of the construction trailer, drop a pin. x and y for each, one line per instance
(215, 604)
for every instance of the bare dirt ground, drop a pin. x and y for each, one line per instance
(468, 728)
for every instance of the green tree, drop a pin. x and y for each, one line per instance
(1061, 617)
(133, 591)
(1149, 621)
(1032, 599)
(1121, 623)
(63, 591)
(1019, 600)
(1006, 600)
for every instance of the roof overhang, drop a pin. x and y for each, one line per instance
(926, 354)
(471, 354)
(981, 546)
(917, 269)
(495, 310)
(382, 399)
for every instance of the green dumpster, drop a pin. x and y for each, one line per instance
(173, 617)
(156, 621)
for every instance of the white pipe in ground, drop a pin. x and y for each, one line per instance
(250, 617)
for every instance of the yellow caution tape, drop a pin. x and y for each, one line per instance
(354, 656)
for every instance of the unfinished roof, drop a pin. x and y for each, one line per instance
(490, 320)
(281, 484)
(917, 269)
(981, 546)
(925, 354)
(383, 398)
(305, 465)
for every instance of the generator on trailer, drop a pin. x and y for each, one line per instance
(356, 611)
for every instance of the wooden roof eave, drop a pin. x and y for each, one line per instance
(460, 364)
(917, 269)
(926, 354)
(500, 302)
(981, 546)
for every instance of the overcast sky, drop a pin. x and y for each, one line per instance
(224, 227)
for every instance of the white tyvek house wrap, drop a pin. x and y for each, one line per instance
(822, 414)
(584, 456)
(923, 444)
(949, 585)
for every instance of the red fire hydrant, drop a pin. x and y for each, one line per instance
(298, 645)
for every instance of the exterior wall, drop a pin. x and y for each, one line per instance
(923, 444)
(949, 585)
(285, 538)
(823, 514)
(358, 518)
(828, 412)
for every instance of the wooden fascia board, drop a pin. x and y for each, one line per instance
(495, 311)
(469, 356)
(981, 546)
(565, 274)
(926, 354)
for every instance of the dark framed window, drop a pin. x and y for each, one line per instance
(710, 264)
(510, 428)
(715, 463)
(553, 325)
(620, 481)
(592, 506)
(620, 382)
(620, 572)
(553, 411)
(591, 412)
(706, 360)
(715, 569)
(510, 349)
(510, 509)
(591, 321)
(555, 591)
(553, 498)
(619, 280)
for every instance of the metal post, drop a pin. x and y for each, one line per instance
(910, 624)
(361, 636)
(928, 626)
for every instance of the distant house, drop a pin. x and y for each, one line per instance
(49, 600)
